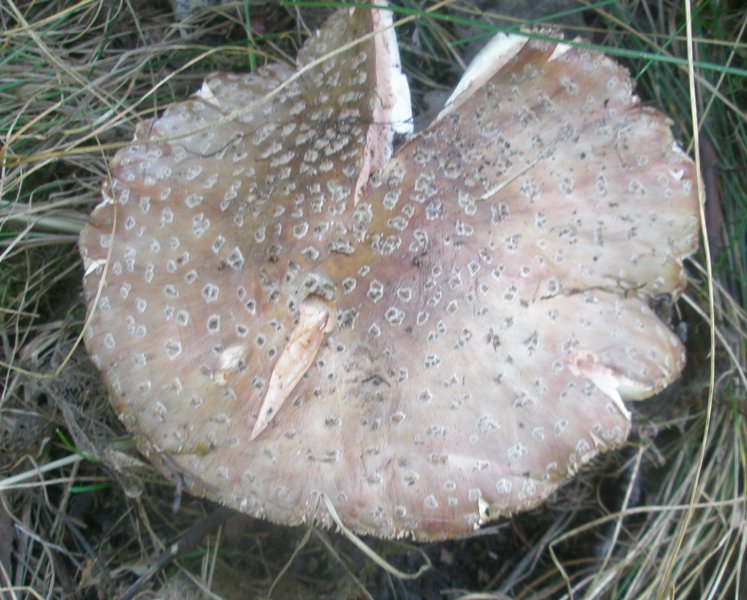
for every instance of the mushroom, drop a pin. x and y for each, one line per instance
(305, 324)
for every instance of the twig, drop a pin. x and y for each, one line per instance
(187, 541)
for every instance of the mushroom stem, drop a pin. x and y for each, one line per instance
(295, 359)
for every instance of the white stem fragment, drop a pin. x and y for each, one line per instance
(206, 94)
(491, 59)
(614, 384)
(392, 109)
(295, 359)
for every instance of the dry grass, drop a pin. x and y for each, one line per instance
(82, 516)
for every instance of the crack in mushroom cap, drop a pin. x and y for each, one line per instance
(488, 284)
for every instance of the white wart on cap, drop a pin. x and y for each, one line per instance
(428, 340)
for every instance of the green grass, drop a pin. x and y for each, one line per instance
(74, 80)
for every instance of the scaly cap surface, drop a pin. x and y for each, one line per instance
(429, 340)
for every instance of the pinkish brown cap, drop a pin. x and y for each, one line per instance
(292, 316)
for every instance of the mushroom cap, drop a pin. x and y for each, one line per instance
(290, 315)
